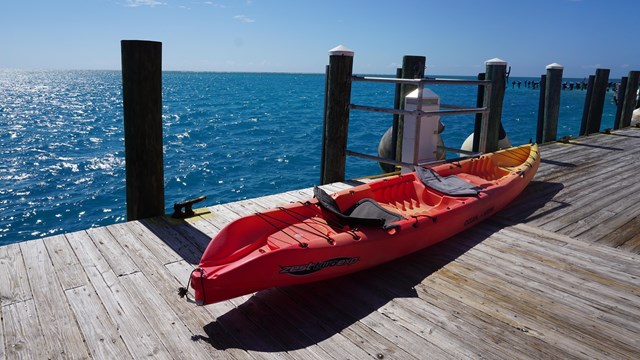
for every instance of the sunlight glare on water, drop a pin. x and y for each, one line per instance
(228, 136)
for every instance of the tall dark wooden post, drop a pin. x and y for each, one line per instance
(142, 107)
(620, 102)
(587, 104)
(477, 126)
(541, 100)
(336, 122)
(496, 71)
(596, 102)
(553, 87)
(629, 103)
(412, 68)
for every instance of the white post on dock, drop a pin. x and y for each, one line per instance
(420, 133)
(336, 121)
(553, 87)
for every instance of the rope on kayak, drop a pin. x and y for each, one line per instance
(301, 217)
(266, 218)
(183, 291)
(331, 222)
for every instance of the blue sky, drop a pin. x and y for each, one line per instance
(456, 36)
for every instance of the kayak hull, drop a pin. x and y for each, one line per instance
(303, 242)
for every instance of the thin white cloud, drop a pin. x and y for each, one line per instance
(136, 3)
(243, 18)
(216, 5)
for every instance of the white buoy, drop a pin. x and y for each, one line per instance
(503, 143)
(635, 118)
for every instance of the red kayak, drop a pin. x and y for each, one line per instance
(361, 227)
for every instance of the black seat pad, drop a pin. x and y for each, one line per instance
(448, 185)
(366, 212)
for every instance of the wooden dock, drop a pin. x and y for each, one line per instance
(556, 275)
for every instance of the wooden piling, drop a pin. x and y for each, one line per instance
(553, 88)
(596, 102)
(496, 70)
(620, 102)
(629, 102)
(142, 108)
(541, 100)
(412, 68)
(477, 127)
(587, 102)
(394, 131)
(336, 122)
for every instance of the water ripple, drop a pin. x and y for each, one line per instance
(227, 136)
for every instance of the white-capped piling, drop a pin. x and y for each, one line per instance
(336, 121)
(142, 108)
(553, 88)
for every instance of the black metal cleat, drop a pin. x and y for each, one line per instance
(184, 209)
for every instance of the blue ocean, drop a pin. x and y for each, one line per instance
(229, 136)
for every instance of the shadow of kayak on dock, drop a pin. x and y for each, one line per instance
(301, 317)
(182, 238)
(537, 200)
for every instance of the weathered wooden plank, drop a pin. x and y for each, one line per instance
(565, 312)
(598, 198)
(508, 309)
(445, 321)
(623, 274)
(487, 336)
(541, 197)
(14, 284)
(138, 335)
(63, 338)
(614, 217)
(100, 333)
(218, 335)
(66, 264)
(400, 312)
(137, 232)
(117, 258)
(203, 225)
(231, 329)
(269, 327)
(158, 228)
(632, 245)
(574, 283)
(582, 285)
(576, 204)
(359, 322)
(623, 233)
(623, 261)
(23, 336)
(307, 326)
(162, 319)
(194, 318)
